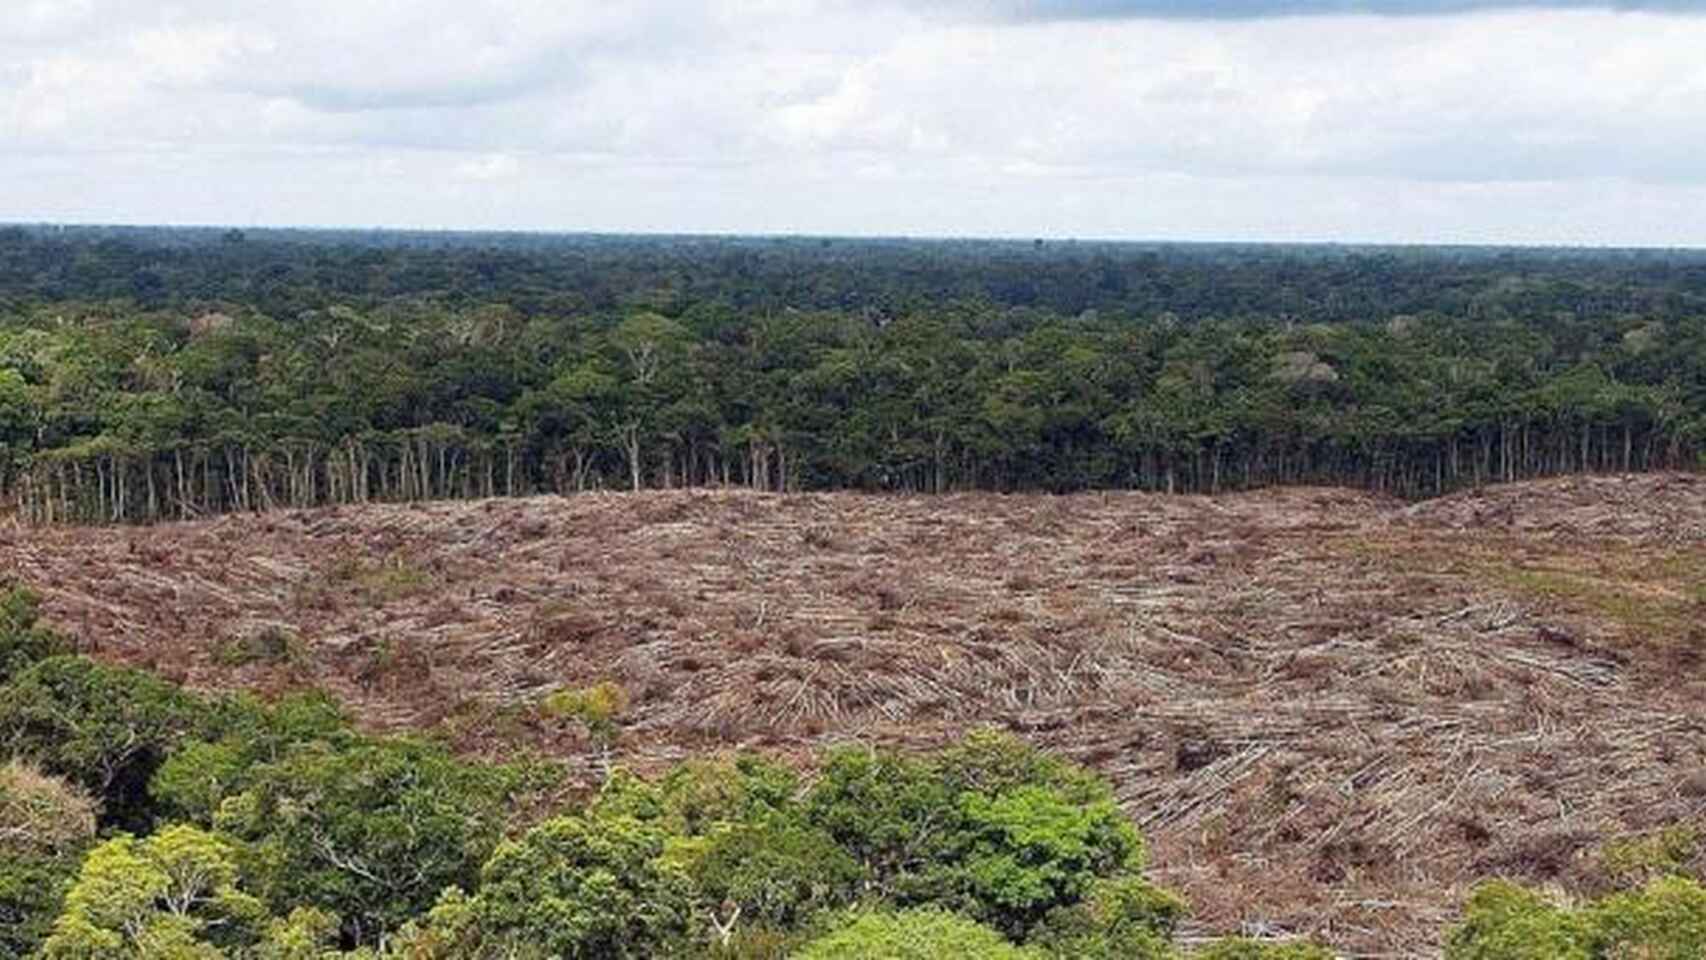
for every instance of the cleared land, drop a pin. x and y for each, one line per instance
(1330, 712)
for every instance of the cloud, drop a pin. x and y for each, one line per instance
(1245, 9)
(1088, 118)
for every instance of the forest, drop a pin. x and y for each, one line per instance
(164, 373)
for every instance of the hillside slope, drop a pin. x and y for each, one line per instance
(1330, 712)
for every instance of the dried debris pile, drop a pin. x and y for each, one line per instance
(1329, 711)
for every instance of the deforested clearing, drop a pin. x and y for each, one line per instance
(1331, 712)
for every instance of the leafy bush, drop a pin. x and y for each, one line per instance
(105, 728)
(1664, 920)
(22, 641)
(919, 934)
(598, 707)
(1666, 852)
(1504, 921)
(1121, 918)
(45, 825)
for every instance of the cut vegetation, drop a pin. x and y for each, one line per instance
(1330, 713)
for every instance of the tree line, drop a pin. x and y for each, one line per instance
(919, 368)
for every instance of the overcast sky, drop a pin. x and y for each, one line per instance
(1354, 120)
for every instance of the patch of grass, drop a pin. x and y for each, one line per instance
(1652, 594)
(383, 581)
(1666, 852)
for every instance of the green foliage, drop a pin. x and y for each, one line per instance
(1121, 918)
(306, 934)
(698, 795)
(990, 827)
(371, 831)
(775, 873)
(45, 825)
(237, 738)
(172, 896)
(22, 640)
(1503, 921)
(105, 728)
(572, 887)
(1243, 949)
(1664, 852)
(1664, 920)
(920, 934)
(598, 707)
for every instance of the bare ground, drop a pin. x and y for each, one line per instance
(1330, 712)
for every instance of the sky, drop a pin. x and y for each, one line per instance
(1537, 121)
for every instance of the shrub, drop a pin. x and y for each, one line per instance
(598, 707)
(1664, 920)
(22, 641)
(105, 728)
(1666, 852)
(1121, 918)
(920, 934)
(1504, 921)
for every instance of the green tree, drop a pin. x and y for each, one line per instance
(171, 896)
(105, 728)
(371, 831)
(45, 826)
(572, 887)
(920, 934)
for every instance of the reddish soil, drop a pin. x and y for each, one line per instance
(1330, 712)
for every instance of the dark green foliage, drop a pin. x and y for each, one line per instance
(338, 369)
(573, 887)
(1121, 918)
(236, 739)
(990, 828)
(22, 640)
(371, 831)
(776, 873)
(105, 728)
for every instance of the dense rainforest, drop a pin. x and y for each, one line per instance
(153, 373)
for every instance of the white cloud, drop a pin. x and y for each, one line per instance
(492, 166)
(831, 116)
